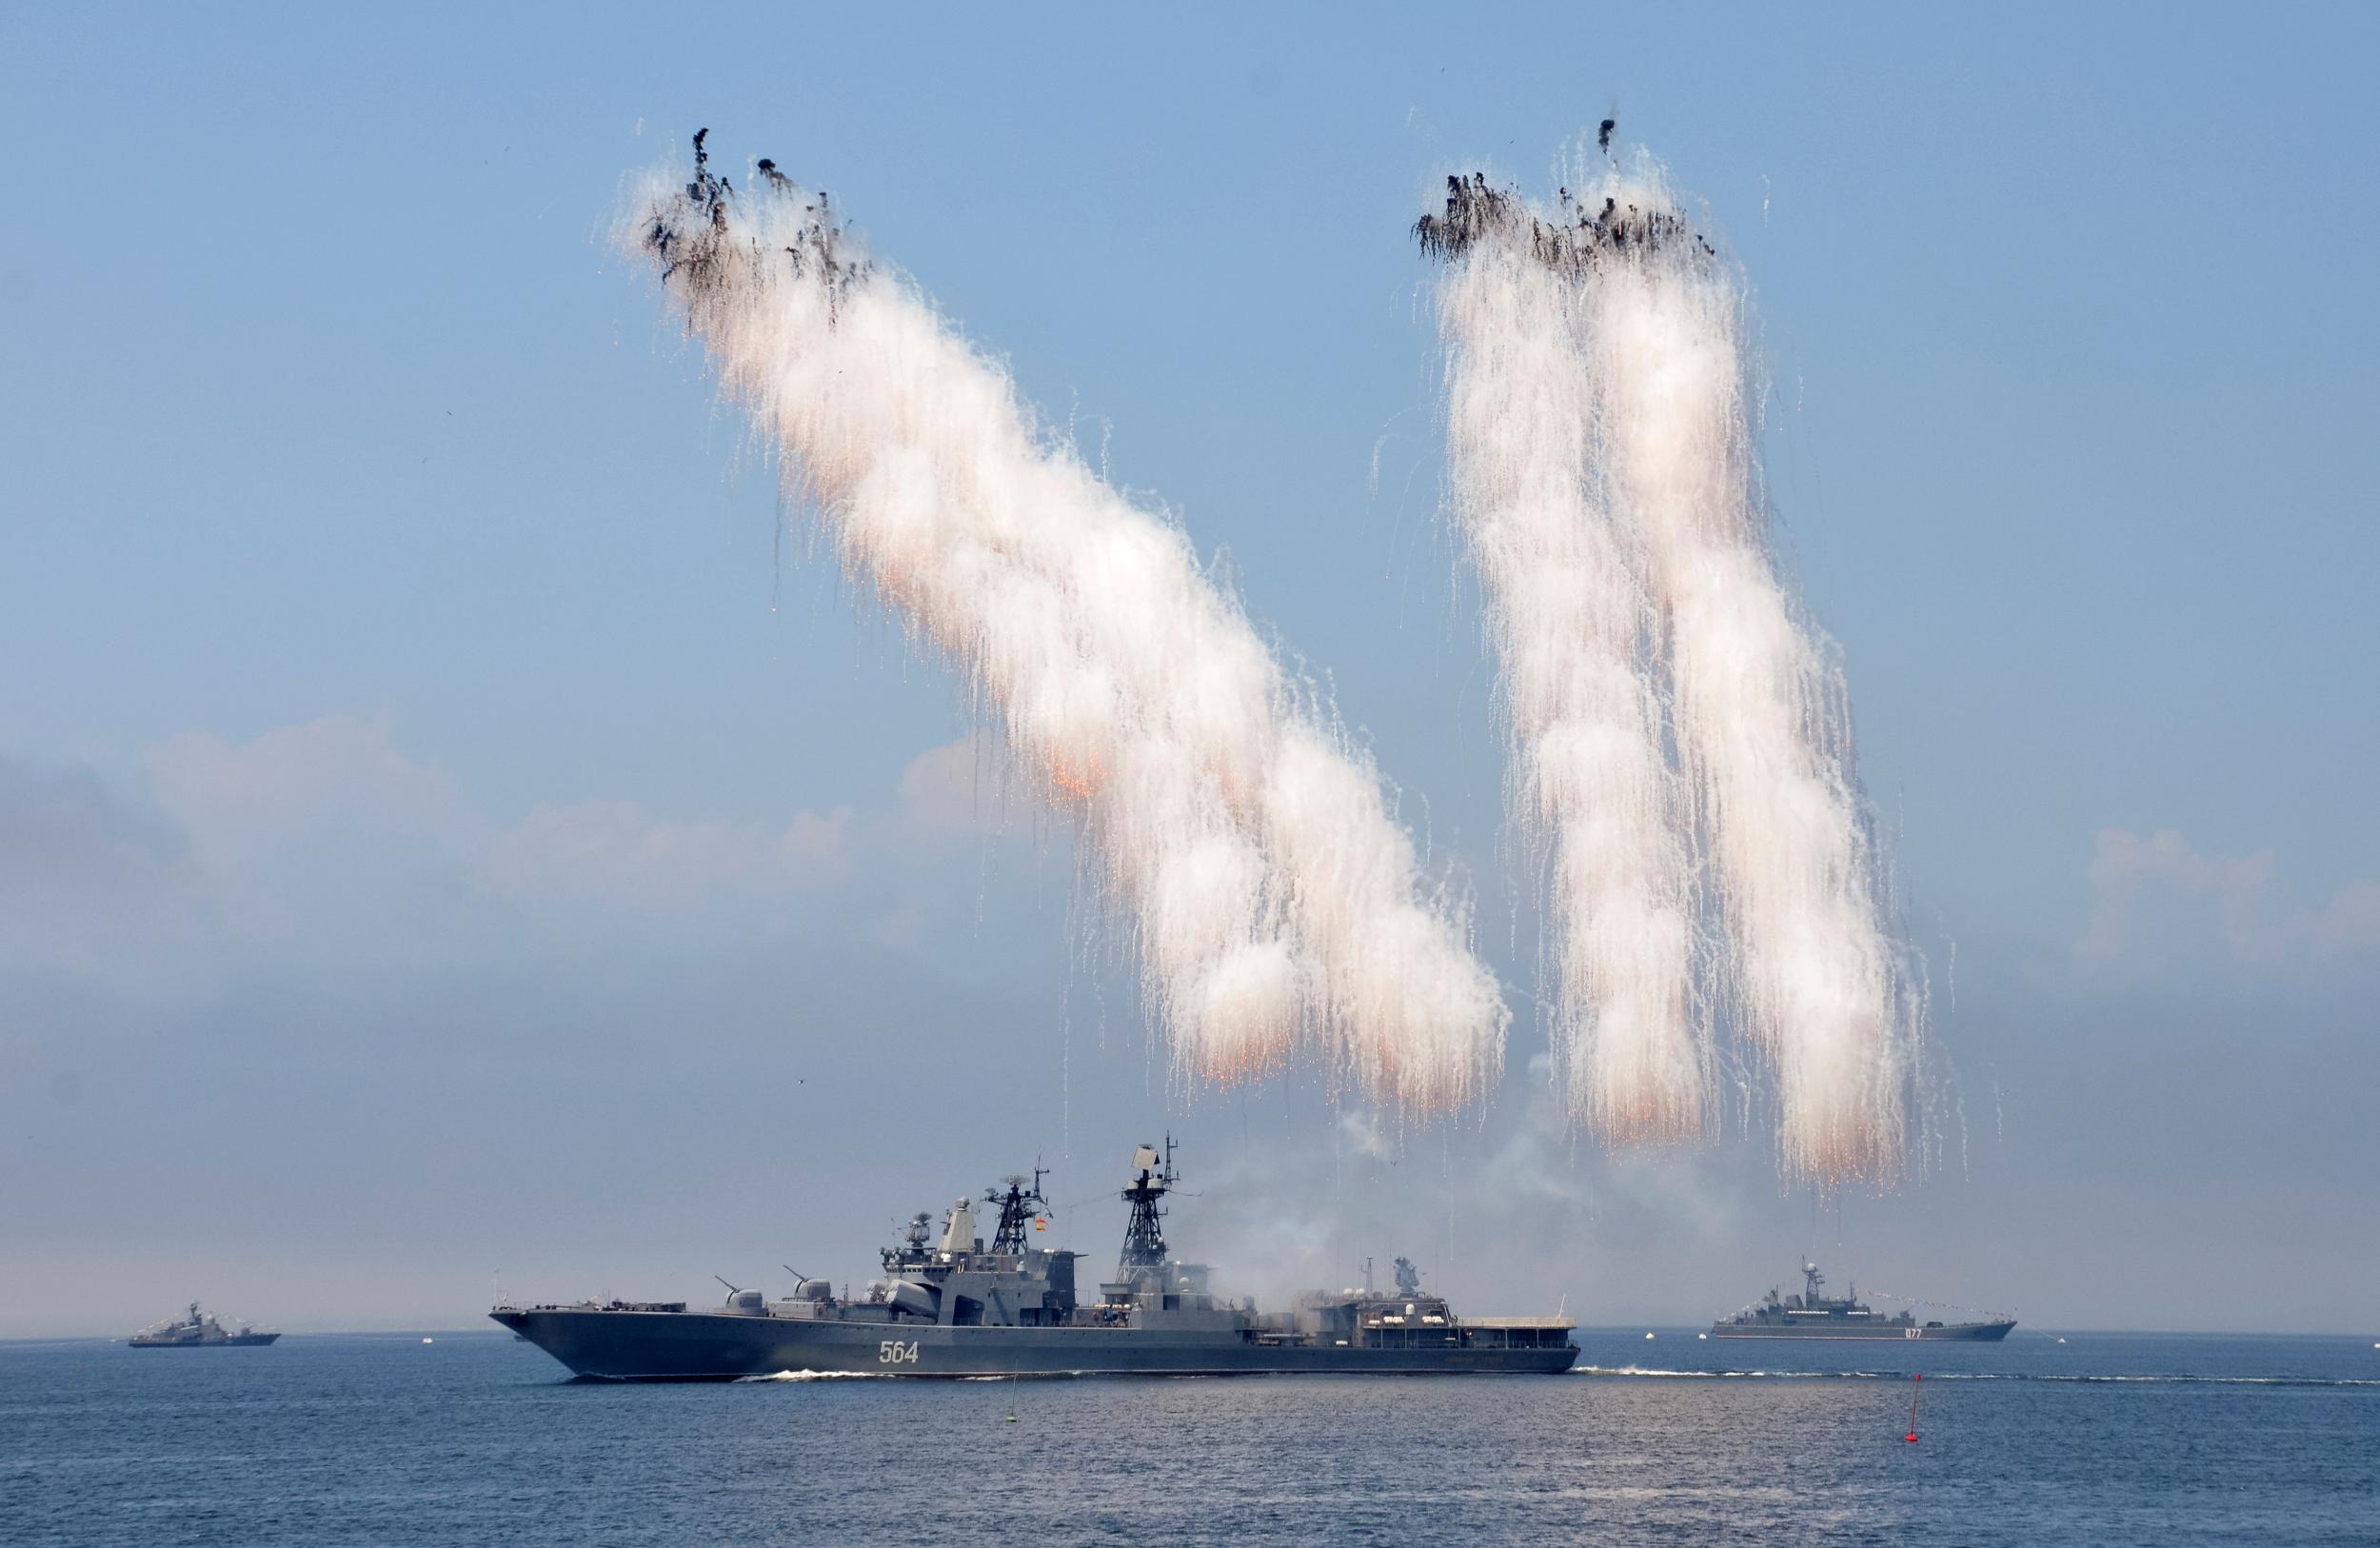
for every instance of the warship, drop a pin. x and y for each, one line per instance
(1810, 1315)
(956, 1306)
(196, 1330)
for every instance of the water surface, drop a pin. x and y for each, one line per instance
(353, 1440)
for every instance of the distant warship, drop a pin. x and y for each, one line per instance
(196, 1330)
(1810, 1315)
(959, 1306)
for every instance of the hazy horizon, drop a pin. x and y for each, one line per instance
(452, 844)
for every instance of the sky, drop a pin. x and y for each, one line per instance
(458, 838)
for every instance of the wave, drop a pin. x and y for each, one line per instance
(2177, 1379)
(821, 1376)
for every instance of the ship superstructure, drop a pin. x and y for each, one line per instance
(953, 1304)
(1810, 1315)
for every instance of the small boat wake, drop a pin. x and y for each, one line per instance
(2177, 1379)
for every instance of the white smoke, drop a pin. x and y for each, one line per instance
(1605, 468)
(1570, 619)
(1273, 897)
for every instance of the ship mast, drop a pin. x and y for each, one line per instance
(1145, 1237)
(1008, 1237)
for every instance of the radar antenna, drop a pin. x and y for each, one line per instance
(910, 1250)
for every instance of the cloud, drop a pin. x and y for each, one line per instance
(958, 788)
(614, 853)
(958, 798)
(79, 865)
(246, 803)
(66, 839)
(2156, 897)
(328, 838)
(316, 830)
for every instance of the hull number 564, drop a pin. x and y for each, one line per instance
(893, 1352)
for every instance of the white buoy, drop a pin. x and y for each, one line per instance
(429, 1340)
(1648, 1335)
(1701, 1335)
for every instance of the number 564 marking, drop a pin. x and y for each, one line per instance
(893, 1352)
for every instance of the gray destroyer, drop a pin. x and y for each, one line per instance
(957, 1305)
(197, 1330)
(1810, 1315)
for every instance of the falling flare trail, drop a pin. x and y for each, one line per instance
(1682, 734)
(1275, 902)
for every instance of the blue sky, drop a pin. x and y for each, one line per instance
(443, 830)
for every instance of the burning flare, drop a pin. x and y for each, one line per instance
(1274, 896)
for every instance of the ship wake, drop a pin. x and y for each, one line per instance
(2062, 1377)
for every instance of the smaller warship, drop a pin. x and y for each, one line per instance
(1810, 1315)
(195, 1329)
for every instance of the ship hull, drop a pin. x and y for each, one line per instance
(1956, 1333)
(680, 1346)
(204, 1343)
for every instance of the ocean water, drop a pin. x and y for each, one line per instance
(2106, 1439)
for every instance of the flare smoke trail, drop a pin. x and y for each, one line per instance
(1274, 896)
(1646, 504)
(1569, 619)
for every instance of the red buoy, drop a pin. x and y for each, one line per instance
(1911, 1435)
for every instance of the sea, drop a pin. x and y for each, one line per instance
(475, 1438)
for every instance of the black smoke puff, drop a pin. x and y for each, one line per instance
(689, 237)
(1475, 210)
